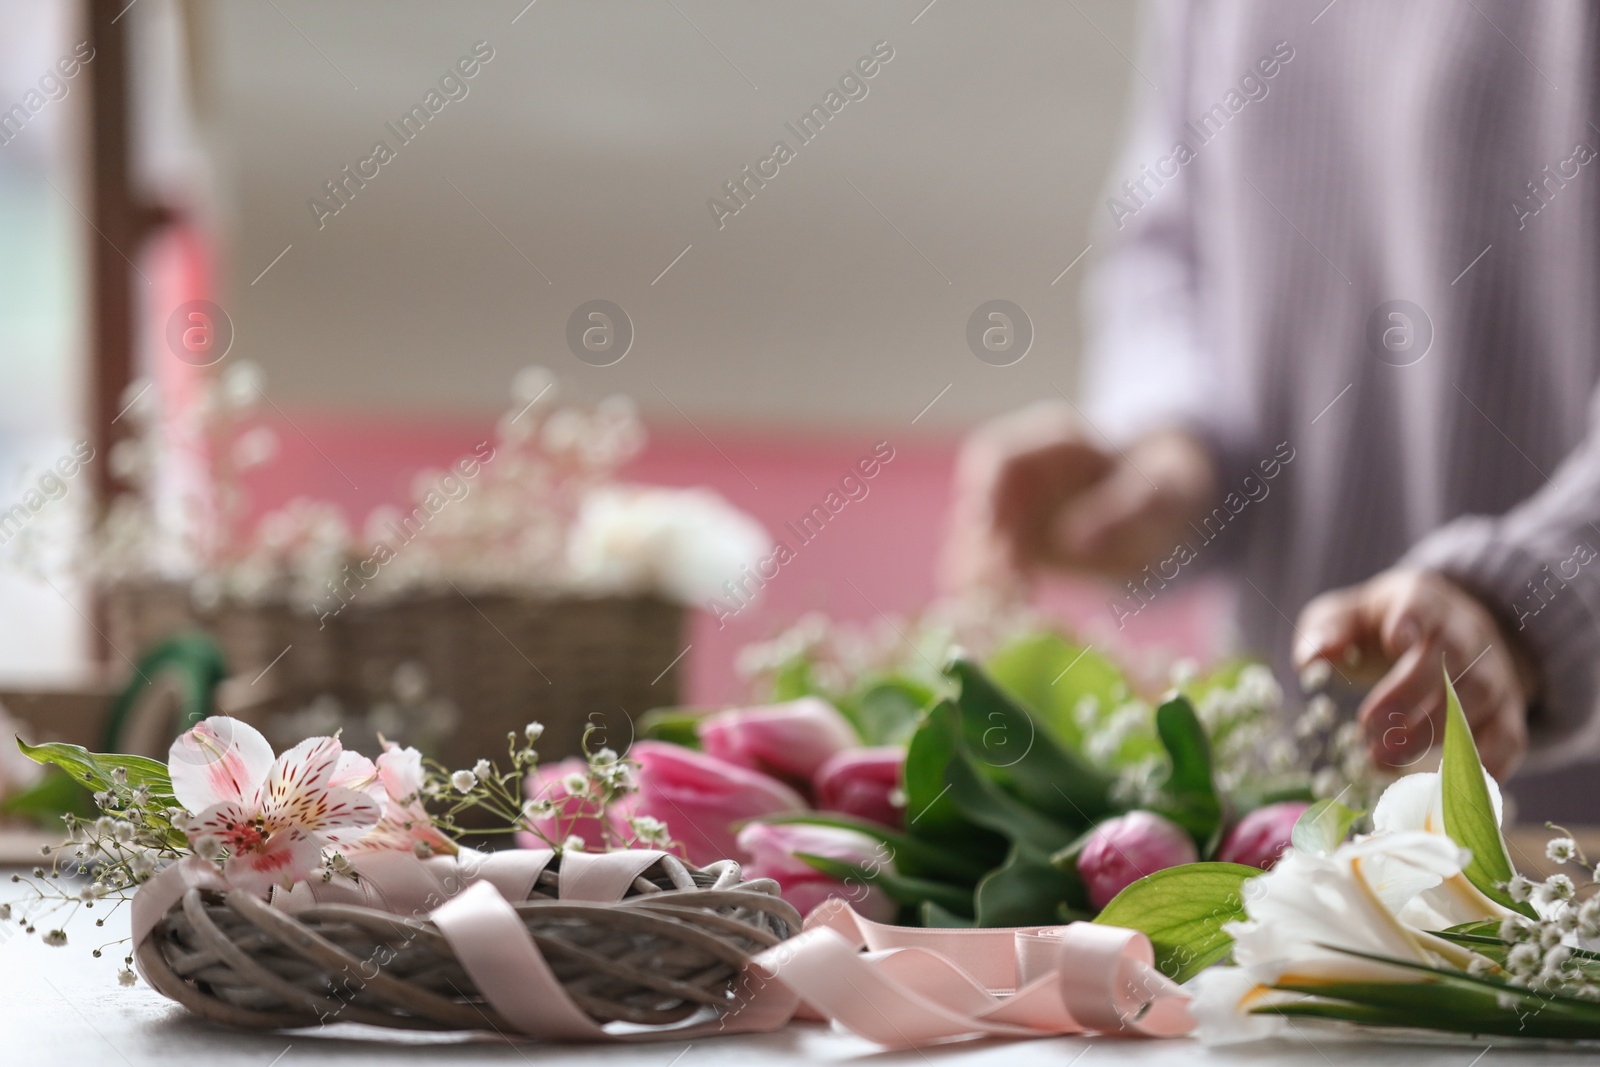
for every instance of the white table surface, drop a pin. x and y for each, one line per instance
(60, 1006)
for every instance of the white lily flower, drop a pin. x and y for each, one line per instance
(1416, 802)
(1308, 908)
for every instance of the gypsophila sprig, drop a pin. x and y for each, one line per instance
(605, 780)
(268, 822)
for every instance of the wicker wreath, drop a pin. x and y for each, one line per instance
(673, 947)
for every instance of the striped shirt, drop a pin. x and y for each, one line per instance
(1368, 236)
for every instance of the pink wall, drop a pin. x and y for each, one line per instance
(878, 553)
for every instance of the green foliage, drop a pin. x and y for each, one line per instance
(1051, 677)
(1322, 827)
(1182, 911)
(1190, 792)
(1027, 890)
(910, 855)
(55, 794)
(1443, 999)
(676, 725)
(1006, 743)
(902, 888)
(886, 711)
(92, 771)
(1469, 816)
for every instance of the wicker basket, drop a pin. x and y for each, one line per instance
(502, 660)
(672, 948)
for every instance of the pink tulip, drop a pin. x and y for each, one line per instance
(864, 782)
(1125, 849)
(773, 849)
(788, 741)
(1261, 836)
(701, 798)
(571, 815)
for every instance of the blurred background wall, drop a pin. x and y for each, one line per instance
(772, 346)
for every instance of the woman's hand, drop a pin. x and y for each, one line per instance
(1396, 630)
(1034, 491)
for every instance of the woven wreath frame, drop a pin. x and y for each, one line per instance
(673, 947)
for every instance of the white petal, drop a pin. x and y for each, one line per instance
(1223, 999)
(344, 814)
(1410, 803)
(1416, 802)
(221, 759)
(299, 777)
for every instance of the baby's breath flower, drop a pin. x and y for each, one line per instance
(1519, 889)
(127, 977)
(119, 775)
(573, 843)
(208, 847)
(1523, 959)
(649, 829)
(533, 731)
(1561, 849)
(5, 912)
(483, 769)
(1549, 935)
(1589, 918)
(464, 781)
(576, 784)
(55, 938)
(1479, 966)
(1556, 888)
(1566, 920)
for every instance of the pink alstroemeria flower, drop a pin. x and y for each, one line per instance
(395, 781)
(272, 817)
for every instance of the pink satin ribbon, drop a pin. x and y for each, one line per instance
(898, 986)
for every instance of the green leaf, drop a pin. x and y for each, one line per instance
(1182, 910)
(1468, 812)
(1050, 677)
(910, 855)
(1007, 744)
(932, 916)
(793, 680)
(676, 725)
(903, 888)
(52, 796)
(930, 812)
(983, 802)
(1189, 786)
(887, 710)
(1026, 890)
(93, 769)
(1322, 827)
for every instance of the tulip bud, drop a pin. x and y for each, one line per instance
(701, 798)
(864, 782)
(1262, 835)
(788, 741)
(1123, 850)
(772, 850)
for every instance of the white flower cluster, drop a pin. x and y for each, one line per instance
(535, 508)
